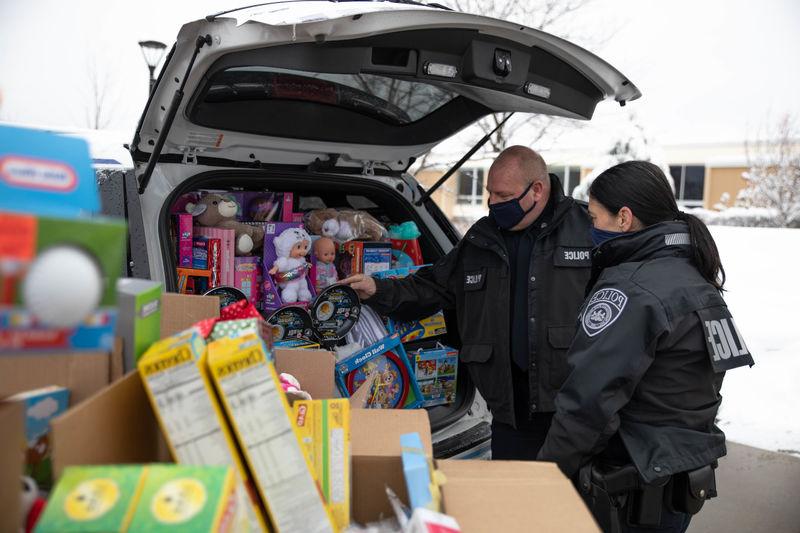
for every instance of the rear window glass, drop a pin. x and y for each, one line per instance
(391, 100)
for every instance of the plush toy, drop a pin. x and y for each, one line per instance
(291, 387)
(344, 225)
(290, 268)
(325, 252)
(218, 211)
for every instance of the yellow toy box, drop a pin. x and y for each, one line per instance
(323, 427)
(175, 376)
(260, 415)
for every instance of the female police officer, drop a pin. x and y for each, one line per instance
(634, 421)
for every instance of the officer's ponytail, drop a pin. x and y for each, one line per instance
(644, 189)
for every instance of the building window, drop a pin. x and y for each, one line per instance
(470, 186)
(689, 184)
(570, 177)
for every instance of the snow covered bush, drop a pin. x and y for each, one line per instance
(773, 177)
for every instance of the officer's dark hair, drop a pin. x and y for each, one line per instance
(644, 189)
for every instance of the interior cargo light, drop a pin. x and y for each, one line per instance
(440, 69)
(534, 89)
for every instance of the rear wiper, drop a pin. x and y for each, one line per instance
(201, 41)
(452, 170)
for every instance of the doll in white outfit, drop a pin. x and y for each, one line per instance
(290, 268)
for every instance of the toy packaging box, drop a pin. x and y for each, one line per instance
(41, 406)
(93, 499)
(250, 391)
(189, 499)
(323, 427)
(361, 257)
(227, 238)
(436, 372)
(395, 387)
(185, 239)
(417, 472)
(175, 377)
(48, 207)
(247, 271)
(271, 292)
(428, 327)
(139, 319)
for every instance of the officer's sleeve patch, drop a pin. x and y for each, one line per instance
(725, 345)
(604, 307)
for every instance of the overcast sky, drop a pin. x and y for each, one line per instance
(710, 71)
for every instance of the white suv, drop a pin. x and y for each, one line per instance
(334, 101)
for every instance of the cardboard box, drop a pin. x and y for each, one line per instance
(180, 311)
(480, 495)
(12, 457)
(362, 257)
(499, 495)
(83, 373)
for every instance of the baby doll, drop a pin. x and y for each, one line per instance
(290, 268)
(325, 252)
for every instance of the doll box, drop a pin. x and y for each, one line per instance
(271, 293)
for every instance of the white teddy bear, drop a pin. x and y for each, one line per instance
(291, 267)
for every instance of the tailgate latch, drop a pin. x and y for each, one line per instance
(190, 154)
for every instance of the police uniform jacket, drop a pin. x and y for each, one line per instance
(653, 341)
(473, 279)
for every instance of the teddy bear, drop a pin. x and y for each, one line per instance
(217, 211)
(344, 225)
(291, 267)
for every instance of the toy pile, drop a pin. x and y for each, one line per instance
(256, 245)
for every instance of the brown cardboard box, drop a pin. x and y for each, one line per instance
(179, 311)
(12, 457)
(83, 373)
(118, 426)
(495, 495)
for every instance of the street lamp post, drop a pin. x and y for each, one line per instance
(152, 51)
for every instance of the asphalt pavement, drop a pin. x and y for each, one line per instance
(758, 491)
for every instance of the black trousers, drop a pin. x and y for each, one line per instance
(523, 443)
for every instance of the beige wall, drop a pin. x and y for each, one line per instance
(720, 180)
(441, 197)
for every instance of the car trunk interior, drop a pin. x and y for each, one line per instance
(314, 190)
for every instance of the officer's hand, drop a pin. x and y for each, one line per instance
(363, 285)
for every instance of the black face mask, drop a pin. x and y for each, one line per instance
(510, 213)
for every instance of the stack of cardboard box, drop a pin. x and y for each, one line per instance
(116, 425)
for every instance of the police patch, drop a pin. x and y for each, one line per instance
(603, 309)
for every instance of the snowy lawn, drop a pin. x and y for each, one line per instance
(760, 404)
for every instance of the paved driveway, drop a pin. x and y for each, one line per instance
(758, 491)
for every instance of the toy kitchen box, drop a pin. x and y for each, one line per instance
(480, 495)
(57, 258)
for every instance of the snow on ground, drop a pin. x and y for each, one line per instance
(760, 404)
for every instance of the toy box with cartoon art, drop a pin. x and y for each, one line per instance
(192, 499)
(49, 232)
(415, 330)
(286, 278)
(93, 499)
(41, 406)
(436, 372)
(362, 257)
(395, 387)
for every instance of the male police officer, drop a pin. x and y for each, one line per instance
(516, 282)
